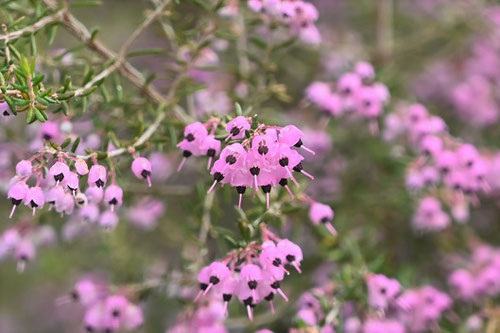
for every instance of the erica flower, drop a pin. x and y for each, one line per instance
(24, 252)
(320, 213)
(237, 127)
(108, 220)
(34, 198)
(17, 193)
(94, 194)
(59, 171)
(141, 167)
(23, 169)
(73, 182)
(292, 253)
(132, 318)
(113, 196)
(89, 213)
(97, 175)
(381, 290)
(81, 167)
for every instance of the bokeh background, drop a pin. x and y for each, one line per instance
(421, 49)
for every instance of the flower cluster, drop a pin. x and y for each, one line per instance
(430, 216)
(421, 308)
(298, 16)
(252, 274)
(469, 84)
(480, 276)
(58, 176)
(258, 158)
(458, 169)
(390, 309)
(353, 93)
(22, 240)
(104, 311)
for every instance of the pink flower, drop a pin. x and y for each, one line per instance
(108, 220)
(94, 194)
(365, 71)
(132, 317)
(73, 182)
(97, 175)
(34, 198)
(381, 290)
(320, 213)
(463, 284)
(237, 127)
(141, 167)
(59, 171)
(113, 196)
(17, 194)
(23, 169)
(89, 213)
(81, 167)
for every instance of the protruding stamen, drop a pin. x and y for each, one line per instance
(12, 211)
(34, 211)
(239, 201)
(330, 228)
(198, 296)
(308, 150)
(282, 294)
(255, 182)
(292, 177)
(208, 288)
(271, 304)
(212, 187)
(179, 168)
(267, 200)
(284, 270)
(149, 181)
(297, 267)
(225, 308)
(250, 313)
(21, 265)
(307, 174)
(289, 191)
(373, 127)
(209, 164)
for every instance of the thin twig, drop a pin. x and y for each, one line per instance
(58, 16)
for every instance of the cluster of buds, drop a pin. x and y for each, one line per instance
(22, 240)
(298, 16)
(457, 169)
(354, 93)
(104, 311)
(252, 274)
(480, 277)
(258, 158)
